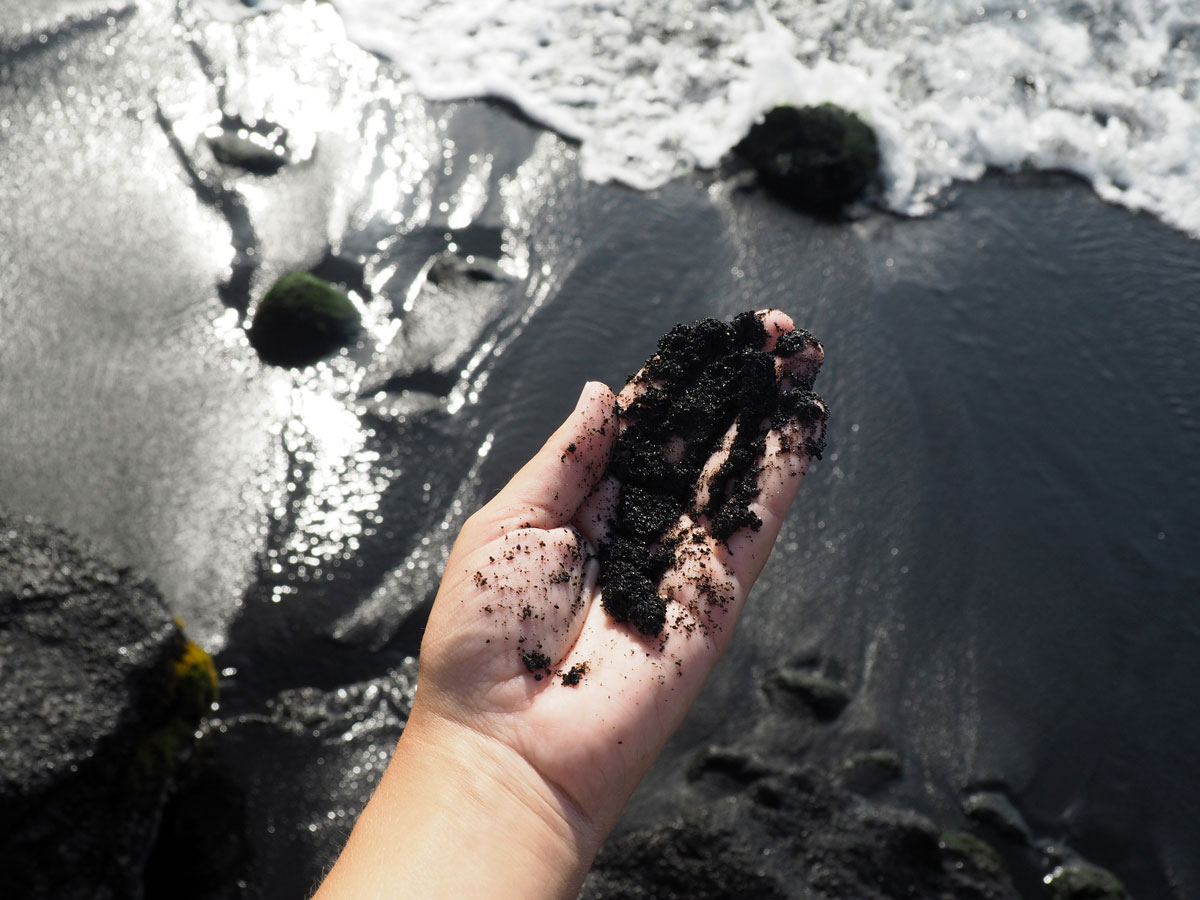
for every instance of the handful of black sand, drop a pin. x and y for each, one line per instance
(708, 380)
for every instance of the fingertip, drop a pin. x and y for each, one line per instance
(777, 323)
(594, 417)
(798, 358)
(596, 396)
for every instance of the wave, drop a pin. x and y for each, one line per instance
(1107, 89)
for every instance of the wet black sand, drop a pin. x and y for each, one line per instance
(999, 546)
(996, 558)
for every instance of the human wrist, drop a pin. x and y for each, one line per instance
(492, 777)
(459, 814)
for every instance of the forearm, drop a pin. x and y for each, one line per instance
(457, 815)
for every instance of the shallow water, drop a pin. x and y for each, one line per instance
(1104, 89)
(998, 553)
(1001, 545)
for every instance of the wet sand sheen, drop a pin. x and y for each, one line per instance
(998, 552)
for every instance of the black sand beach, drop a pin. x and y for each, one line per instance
(997, 562)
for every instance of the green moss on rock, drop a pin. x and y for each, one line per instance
(978, 852)
(303, 319)
(191, 688)
(102, 696)
(816, 158)
(1080, 880)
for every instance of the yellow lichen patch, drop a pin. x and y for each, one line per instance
(194, 686)
(189, 692)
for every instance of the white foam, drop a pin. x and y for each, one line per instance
(1104, 88)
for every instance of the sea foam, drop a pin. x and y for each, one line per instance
(1107, 89)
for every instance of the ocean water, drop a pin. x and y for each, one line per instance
(998, 554)
(1106, 89)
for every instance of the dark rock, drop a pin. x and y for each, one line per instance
(817, 158)
(231, 832)
(102, 696)
(258, 153)
(995, 810)
(824, 696)
(736, 765)
(258, 146)
(792, 833)
(1077, 879)
(449, 270)
(867, 772)
(202, 850)
(302, 320)
(688, 860)
(972, 849)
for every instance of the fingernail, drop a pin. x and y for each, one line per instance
(589, 391)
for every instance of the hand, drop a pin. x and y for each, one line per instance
(527, 679)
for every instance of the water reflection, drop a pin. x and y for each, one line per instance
(333, 481)
(433, 241)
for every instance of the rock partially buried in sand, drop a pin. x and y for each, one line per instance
(818, 159)
(979, 852)
(302, 320)
(867, 772)
(768, 830)
(824, 696)
(258, 150)
(102, 695)
(995, 810)
(1080, 880)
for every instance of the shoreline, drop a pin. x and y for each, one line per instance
(1012, 417)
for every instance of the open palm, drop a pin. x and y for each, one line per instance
(520, 649)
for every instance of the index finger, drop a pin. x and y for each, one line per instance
(550, 488)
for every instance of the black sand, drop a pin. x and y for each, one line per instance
(706, 380)
(1001, 547)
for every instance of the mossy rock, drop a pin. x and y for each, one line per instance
(194, 686)
(103, 695)
(301, 320)
(816, 158)
(191, 690)
(1081, 880)
(978, 852)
